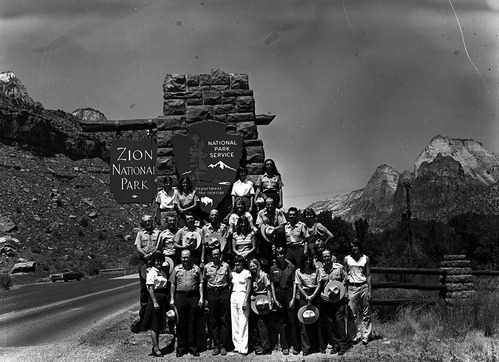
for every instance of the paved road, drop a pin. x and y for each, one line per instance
(46, 313)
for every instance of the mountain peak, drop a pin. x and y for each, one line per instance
(475, 160)
(11, 87)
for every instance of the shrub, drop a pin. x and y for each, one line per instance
(5, 280)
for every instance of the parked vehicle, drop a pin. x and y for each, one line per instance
(66, 274)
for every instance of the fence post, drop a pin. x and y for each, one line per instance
(459, 279)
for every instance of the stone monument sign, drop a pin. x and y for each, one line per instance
(133, 170)
(210, 158)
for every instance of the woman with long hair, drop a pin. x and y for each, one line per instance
(269, 184)
(316, 231)
(260, 284)
(239, 305)
(239, 211)
(187, 199)
(154, 316)
(307, 288)
(244, 239)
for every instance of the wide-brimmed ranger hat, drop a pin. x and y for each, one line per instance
(334, 291)
(172, 314)
(268, 232)
(308, 314)
(191, 240)
(169, 262)
(215, 241)
(261, 304)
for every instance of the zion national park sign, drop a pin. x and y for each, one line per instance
(210, 158)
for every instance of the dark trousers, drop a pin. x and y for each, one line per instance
(259, 323)
(144, 294)
(219, 304)
(311, 334)
(187, 307)
(295, 254)
(333, 317)
(287, 320)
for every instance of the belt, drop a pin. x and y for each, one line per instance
(218, 288)
(294, 246)
(193, 292)
(357, 284)
(284, 288)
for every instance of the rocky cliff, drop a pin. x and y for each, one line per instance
(25, 123)
(449, 174)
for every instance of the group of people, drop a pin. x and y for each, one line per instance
(260, 262)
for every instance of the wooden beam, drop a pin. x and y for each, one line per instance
(118, 125)
(395, 285)
(408, 271)
(264, 119)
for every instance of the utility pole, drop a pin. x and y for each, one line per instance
(407, 187)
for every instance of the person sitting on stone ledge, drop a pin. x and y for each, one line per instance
(269, 184)
(244, 189)
(187, 201)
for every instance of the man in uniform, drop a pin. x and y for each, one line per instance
(333, 312)
(296, 233)
(282, 277)
(213, 227)
(270, 216)
(193, 230)
(187, 294)
(217, 277)
(147, 242)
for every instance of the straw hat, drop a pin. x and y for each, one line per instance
(334, 291)
(191, 240)
(214, 241)
(169, 262)
(172, 314)
(261, 304)
(308, 314)
(268, 232)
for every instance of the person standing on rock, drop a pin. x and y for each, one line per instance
(358, 269)
(147, 242)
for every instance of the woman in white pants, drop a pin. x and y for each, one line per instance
(239, 305)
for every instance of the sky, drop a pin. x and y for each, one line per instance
(354, 84)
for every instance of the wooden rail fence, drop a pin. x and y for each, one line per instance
(457, 281)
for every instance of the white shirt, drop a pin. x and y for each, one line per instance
(156, 277)
(239, 280)
(243, 188)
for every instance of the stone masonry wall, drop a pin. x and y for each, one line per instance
(217, 96)
(459, 279)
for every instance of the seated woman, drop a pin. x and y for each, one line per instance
(244, 189)
(244, 239)
(154, 316)
(187, 200)
(165, 200)
(270, 184)
(240, 210)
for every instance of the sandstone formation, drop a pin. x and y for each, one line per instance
(475, 160)
(450, 176)
(25, 123)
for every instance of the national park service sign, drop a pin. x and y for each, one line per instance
(210, 158)
(133, 170)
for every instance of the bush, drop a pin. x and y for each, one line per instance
(5, 280)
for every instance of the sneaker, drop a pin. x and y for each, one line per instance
(364, 342)
(223, 352)
(296, 352)
(285, 351)
(216, 352)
